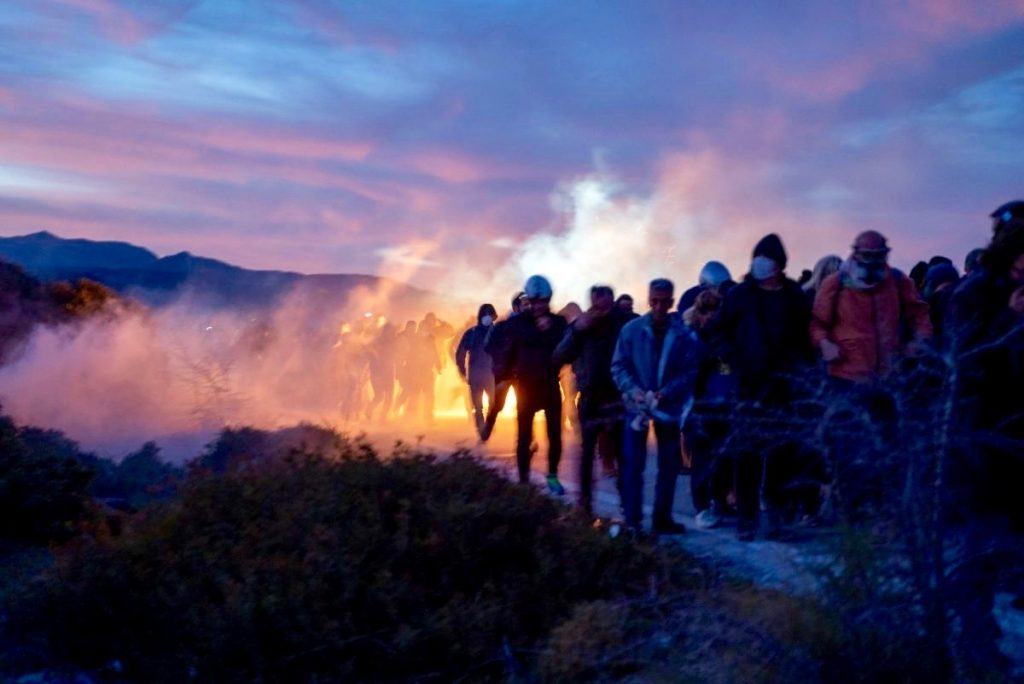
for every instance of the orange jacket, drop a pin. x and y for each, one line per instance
(867, 324)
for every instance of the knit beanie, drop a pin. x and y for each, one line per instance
(771, 246)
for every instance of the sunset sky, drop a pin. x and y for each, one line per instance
(356, 136)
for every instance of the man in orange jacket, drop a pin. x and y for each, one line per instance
(867, 314)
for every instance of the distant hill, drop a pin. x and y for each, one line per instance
(137, 272)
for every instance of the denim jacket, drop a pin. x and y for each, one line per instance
(673, 376)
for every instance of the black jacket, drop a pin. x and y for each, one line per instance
(590, 353)
(761, 337)
(525, 352)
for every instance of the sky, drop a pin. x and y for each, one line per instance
(447, 143)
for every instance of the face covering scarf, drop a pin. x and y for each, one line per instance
(763, 268)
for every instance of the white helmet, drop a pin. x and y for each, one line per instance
(537, 287)
(713, 274)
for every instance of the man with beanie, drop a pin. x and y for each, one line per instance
(527, 347)
(761, 332)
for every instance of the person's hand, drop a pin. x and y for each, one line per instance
(1017, 300)
(829, 350)
(544, 322)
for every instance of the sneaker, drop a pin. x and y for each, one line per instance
(706, 519)
(554, 486)
(668, 527)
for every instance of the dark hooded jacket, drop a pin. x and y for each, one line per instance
(762, 333)
(473, 345)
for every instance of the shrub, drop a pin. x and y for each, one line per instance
(44, 488)
(353, 569)
(140, 478)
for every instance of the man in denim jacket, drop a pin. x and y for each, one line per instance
(655, 367)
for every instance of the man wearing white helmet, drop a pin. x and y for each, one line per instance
(527, 349)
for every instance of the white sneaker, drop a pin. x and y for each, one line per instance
(706, 519)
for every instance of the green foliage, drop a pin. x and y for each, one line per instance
(351, 569)
(44, 487)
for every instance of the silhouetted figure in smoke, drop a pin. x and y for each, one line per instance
(479, 373)
(655, 366)
(527, 348)
(762, 333)
(383, 356)
(588, 345)
(350, 362)
(405, 341)
(422, 365)
(441, 332)
(504, 374)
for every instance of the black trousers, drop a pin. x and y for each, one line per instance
(500, 395)
(599, 417)
(548, 400)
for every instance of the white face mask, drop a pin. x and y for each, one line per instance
(486, 320)
(763, 268)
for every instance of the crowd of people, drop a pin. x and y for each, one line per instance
(715, 377)
(399, 368)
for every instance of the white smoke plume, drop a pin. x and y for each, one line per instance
(180, 373)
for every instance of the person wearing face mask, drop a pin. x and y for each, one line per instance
(479, 373)
(867, 314)
(761, 333)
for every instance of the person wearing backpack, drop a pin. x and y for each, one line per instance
(863, 315)
(864, 318)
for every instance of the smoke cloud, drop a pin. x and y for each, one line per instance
(180, 373)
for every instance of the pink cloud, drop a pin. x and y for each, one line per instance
(280, 143)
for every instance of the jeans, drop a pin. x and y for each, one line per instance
(477, 389)
(669, 464)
